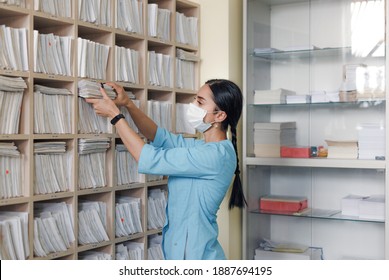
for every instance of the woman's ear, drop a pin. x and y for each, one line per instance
(220, 116)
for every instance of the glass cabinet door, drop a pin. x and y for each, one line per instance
(315, 129)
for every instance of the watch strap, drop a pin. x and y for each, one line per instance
(117, 118)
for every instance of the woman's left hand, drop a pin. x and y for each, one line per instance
(104, 107)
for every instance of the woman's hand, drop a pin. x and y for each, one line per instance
(122, 98)
(105, 107)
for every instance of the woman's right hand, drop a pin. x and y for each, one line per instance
(122, 98)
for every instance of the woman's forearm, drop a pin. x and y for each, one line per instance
(130, 138)
(146, 125)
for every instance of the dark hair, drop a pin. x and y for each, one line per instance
(228, 97)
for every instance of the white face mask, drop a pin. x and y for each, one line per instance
(195, 116)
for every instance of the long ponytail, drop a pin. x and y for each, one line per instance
(228, 97)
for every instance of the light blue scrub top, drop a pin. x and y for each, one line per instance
(199, 176)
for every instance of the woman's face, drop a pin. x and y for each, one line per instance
(204, 100)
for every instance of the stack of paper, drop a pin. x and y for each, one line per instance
(19, 3)
(11, 166)
(161, 113)
(342, 149)
(126, 65)
(372, 207)
(271, 250)
(52, 54)
(324, 96)
(187, 30)
(126, 166)
(155, 247)
(350, 204)
(52, 110)
(14, 243)
(92, 222)
(185, 74)
(92, 163)
(158, 22)
(371, 141)
(272, 96)
(160, 68)
(52, 167)
(269, 137)
(88, 120)
(182, 124)
(156, 209)
(129, 15)
(59, 8)
(128, 216)
(94, 256)
(186, 55)
(95, 11)
(53, 228)
(11, 97)
(92, 59)
(298, 99)
(130, 250)
(13, 52)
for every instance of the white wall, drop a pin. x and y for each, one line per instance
(221, 54)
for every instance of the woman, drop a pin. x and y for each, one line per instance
(200, 171)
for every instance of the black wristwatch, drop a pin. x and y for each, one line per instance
(117, 118)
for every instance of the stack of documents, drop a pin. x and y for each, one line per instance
(187, 30)
(185, 74)
(156, 209)
(186, 55)
(14, 243)
(88, 120)
(126, 65)
(342, 149)
(182, 124)
(269, 137)
(52, 54)
(130, 250)
(13, 52)
(350, 204)
(365, 207)
(92, 222)
(155, 247)
(158, 22)
(298, 99)
(53, 228)
(126, 166)
(59, 8)
(160, 69)
(371, 141)
(52, 167)
(161, 113)
(272, 96)
(52, 110)
(129, 15)
(92, 59)
(18, 3)
(95, 11)
(128, 216)
(91, 89)
(11, 97)
(324, 96)
(272, 250)
(94, 256)
(372, 208)
(11, 166)
(92, 163)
